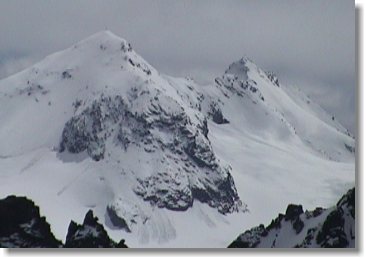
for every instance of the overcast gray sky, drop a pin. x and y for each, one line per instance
(310, 43)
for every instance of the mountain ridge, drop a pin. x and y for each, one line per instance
(325, 228)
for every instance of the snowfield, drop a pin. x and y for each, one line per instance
(163, 161)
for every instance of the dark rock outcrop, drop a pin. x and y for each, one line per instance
(216, 115)
(298, 225)
(293, 211)
(273, 78)
(333, 231)
(21, 225)
(90, 234)
(292, 214)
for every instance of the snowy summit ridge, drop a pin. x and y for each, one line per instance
(96, 126)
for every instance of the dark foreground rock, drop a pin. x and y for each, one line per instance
(21, 226)
(321, 228)
(90, 234)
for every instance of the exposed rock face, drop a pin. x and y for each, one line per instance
(22, 226)
(216, 114)
(330, 228)
(332, 232)
(87, 131)
(336, 230)
(236, 81)
(90, 234)
(293, 212)
(273, 78)
(166, 130)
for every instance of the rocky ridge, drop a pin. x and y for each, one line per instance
(320, 228)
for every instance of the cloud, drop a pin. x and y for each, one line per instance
(297, 39)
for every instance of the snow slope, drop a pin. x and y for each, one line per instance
(96, 126)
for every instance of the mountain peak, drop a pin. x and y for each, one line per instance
(104, 35)
(245, 59)
(105, 40)
(240, 68)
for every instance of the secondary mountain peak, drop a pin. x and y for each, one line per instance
(240, 71)
(240, 68)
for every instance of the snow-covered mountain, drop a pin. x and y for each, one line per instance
(97, 127)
